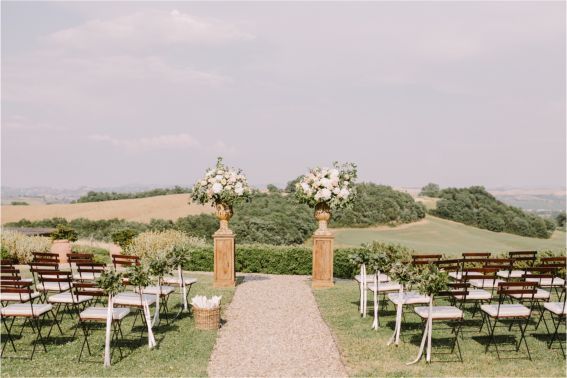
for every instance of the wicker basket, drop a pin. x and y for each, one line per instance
(206, 318)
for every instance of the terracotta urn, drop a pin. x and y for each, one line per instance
(224, 213)
(323, 215)
(62, 248)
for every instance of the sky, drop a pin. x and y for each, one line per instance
(138, 93)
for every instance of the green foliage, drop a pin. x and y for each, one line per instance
(403, 273)
(101, 255)
(4, 253)
(431, 280)
(290, 186)
(378, 204)
(124, 237)
(259, 258)
(111, 196)
(179, 256)
(359, 257)
(383, 256)
(159, 265)
(560, 219)
(138, 276)
(272, 188)
(272, 219)
(476, 207)
(110, 282)
(64, 232)
(19, 203)
(430, 190)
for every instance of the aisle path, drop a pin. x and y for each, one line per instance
(274, 328)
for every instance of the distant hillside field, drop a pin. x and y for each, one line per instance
(169, 207)
(439, 235)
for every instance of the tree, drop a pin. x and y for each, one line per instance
(272, 188)
(290, 187)
(430, 190)
(560, 219)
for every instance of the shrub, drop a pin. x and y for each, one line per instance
(64, 232)
(19, 203)
(150, 244)
(124, 237)
(474, 206)
(378, 204)
(111, 196)
(20, 247)
(100, 254)
(430, 190)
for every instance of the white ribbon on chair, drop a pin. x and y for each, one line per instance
(149, 323)
(426, 336)
(183, 288)
(376, 322)
(363, 293)
(399, 309)
(109, 316)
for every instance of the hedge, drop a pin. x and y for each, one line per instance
(270, 259)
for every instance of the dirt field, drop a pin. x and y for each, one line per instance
(140, 210)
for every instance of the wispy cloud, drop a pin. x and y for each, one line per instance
(158, 142)
(146, 29)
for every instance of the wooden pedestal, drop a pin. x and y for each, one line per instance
(322, 261)
(224, 275)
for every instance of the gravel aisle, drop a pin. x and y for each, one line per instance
(274, 328)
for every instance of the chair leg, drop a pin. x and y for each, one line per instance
(523, 337)
(84, 327)
(10, 339)
(39, 337)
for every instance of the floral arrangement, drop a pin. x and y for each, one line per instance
(221, 185)
(332, 186)
(431, 280)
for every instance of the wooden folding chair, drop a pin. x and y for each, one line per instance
(45, 257)
(483, 278)
(33, 313)
(476, 255)
(516, 312)
(557, 312)
(451, 266)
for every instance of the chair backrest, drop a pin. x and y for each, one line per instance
(526, 290)
(557, 261)
(7, 263)
(457, 292)
(425, 259)
(89, 270)
(72, 257)
(42, 256)
(63, 280)
(545, 275)
(10, 273)
(476, 255)
(22, 288)
(501, 264)
(451, 265)
(520, 254)
(124, 260)
(87, 287)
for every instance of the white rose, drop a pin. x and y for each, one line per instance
(336, 191)
(239, 191)
(344, 193)
(326, 183)
(203, 182)
(325, 194)
(232, 179)
(223, 181)
(220, 172)
(217, 188)
(334, 173)
(304, 186)
(228, 187)
(318, 195)
(210, 173)
(211, 180)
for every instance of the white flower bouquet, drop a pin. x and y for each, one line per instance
(331, 186)
(221, 185)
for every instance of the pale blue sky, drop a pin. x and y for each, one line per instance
(116, 93)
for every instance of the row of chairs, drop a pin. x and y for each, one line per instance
(51, 290)
(480, 279)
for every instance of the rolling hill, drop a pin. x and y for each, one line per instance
(169, 207)
(439, 235)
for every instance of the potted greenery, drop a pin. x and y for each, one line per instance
(405, 274)
(431, 281)
(111, 282)
(62, 238)
(139, 277)
(178, 257)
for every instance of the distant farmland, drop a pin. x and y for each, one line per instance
(439, 235)
(140, 210)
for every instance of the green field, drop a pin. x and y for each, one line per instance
(451, 238)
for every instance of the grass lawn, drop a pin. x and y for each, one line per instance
(450, 238)
(365, 352)
(182, 350)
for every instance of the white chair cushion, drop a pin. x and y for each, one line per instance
(540, 294)
(53, 286)
(558, 308)
(476, 295)
(408, 298)
(17, 297)
(175, 281)
(370, 278)
(506, 310)
(133, 299)
(165, 290)
(86, 276)
(510, 274)
(485, 283)
(547, 281)
(439, 312)
(25, 309)
(68, 298)
(386, 286)
(100, 313)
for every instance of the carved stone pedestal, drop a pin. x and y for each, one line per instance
(322, 260)
(224, 274)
